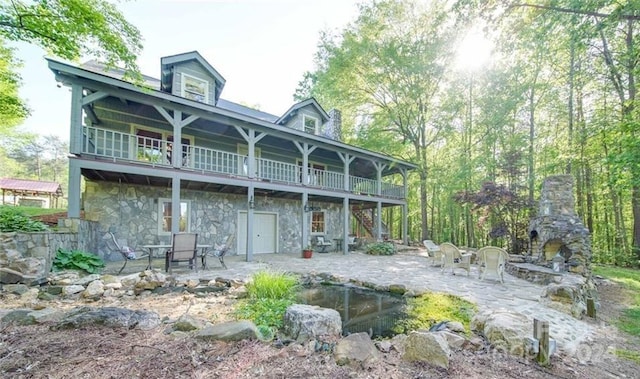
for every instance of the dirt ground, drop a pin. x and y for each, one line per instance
(98, 352)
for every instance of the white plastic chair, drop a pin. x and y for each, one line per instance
(322, 244)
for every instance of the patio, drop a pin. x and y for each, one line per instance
(412, 270)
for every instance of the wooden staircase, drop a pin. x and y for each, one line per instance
(365, 218)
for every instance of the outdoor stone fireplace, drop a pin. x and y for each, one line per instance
(557, 229)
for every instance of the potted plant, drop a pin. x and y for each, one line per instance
(307, 251)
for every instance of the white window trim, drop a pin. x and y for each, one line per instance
(163, 200)
(324, 218)
(183, 87)
(304, 124)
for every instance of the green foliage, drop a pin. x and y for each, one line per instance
(37, 211)
(630, 319)
(12, 109)
(270, 294)
(433, 307)
(380, 248)
(272, 285)
(77, 260)
(628, 354)
(73, 28)
(14, 220)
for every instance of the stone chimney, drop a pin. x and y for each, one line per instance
(557, 229)
(333, 128)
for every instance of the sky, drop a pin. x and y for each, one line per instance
(261, 47)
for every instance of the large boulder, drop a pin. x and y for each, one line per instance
(432, 348)
(356, 348)
(505, 330)
(305, 322)
(110, 317)
(229, 331)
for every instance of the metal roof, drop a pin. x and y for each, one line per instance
(31, 186)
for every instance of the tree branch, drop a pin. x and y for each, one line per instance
(630, 17)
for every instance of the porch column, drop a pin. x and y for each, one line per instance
(305, 220)
(346, 161)
(345, 225)
(405, 210)
(250, 205)
(379, 220)
(175, 205)
(379, 168)
(74, 189)
(75, 130)
(405, 236)
(176, 153)
(305, 150)
(251, 138)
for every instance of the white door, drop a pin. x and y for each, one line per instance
(265, 232)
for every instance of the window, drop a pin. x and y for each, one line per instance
(165, 218)
(317, 222)
(195, 89)
(310, 124)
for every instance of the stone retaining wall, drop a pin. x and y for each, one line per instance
(31, 254)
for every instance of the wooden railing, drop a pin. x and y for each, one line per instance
(124, 146)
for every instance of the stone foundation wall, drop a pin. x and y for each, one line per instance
(131, 212)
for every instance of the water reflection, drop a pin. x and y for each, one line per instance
(361, 310)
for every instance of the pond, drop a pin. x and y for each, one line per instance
(361, 310)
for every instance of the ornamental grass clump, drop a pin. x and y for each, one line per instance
(269, 295)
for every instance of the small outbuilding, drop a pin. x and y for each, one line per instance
(30, 192)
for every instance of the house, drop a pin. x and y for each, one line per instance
(172, 155)
(35, 193)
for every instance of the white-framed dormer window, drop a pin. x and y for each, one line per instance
(165, 216)
(195, 89)
(310, 124)
(317, 223)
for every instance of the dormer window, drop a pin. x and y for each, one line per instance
(195, 89)
(310, 124)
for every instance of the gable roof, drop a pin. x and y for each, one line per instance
(68, 73)
(167, 73)
(311, 102)
(35, 187)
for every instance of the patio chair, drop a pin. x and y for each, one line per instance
(128, 253)
(492, 260)
(452, 258)
(184, 248)
(434, 252)
(220, 250)
(320, 242)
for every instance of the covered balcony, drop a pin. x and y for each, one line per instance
(120, 147)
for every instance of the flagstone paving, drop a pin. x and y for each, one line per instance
(415, 272)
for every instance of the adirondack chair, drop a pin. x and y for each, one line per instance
(492, 260)
(452, 258)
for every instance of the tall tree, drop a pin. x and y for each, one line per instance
(68, 29)
(387, 68)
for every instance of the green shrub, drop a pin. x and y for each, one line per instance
(77, 260)
(270, 294)
(381, 248)
(13, 220)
